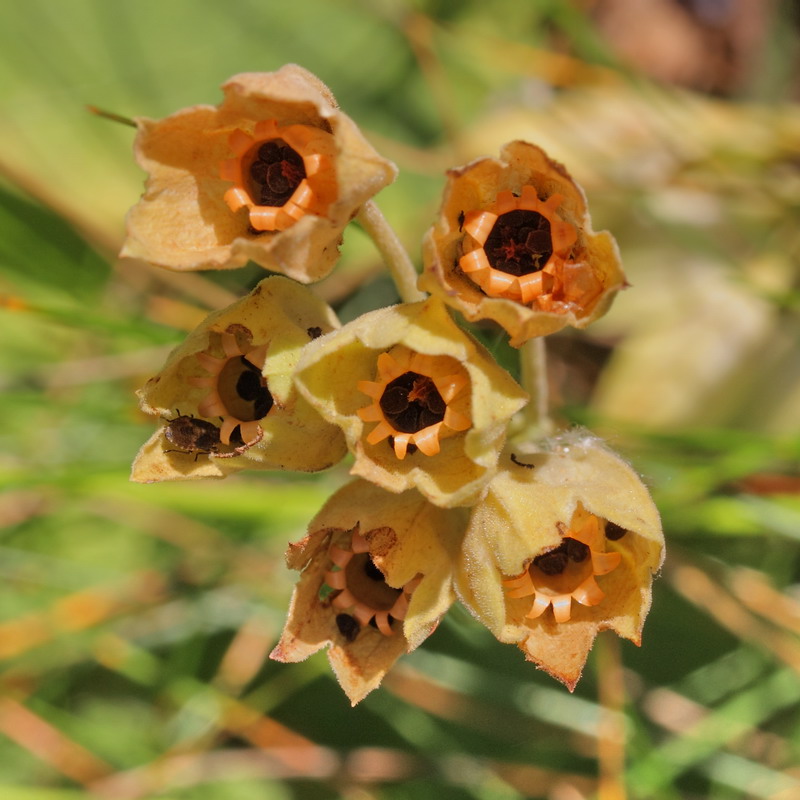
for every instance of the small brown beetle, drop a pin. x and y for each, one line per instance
(198, 436)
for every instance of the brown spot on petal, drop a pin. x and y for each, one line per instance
(381, 541)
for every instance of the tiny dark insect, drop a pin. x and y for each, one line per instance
(521, 463)
(461, 217)
(198, 436)
(348, 626)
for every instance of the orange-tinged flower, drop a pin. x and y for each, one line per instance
(420, 402)
(226, 394)
(514, 244)
(273, 174)
(564, 544)
(376, 578)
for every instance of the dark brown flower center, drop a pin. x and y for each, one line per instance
(412, 402)
(520, 243)
(554, 562)
(276, 170)
(366, 583)
(243, 390)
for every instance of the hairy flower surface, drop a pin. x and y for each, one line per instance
(273, 174)
(563, 545)
(421, 403)
(514, 243)
(226, 394)
(376, 578)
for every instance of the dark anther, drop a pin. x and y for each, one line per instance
(410, 450)
(521, 463)
(461, 218)
(252, 387)
(254, 231)
(412, 402)
(520, 242)
(614, 531)
(372, 571)
(258, 171)
(348, 626)
(249, 385)
(235, 438)
(270, 151)
(374, 622)
(275, 173)
(577, 551)
(314, 332)
(554, 562)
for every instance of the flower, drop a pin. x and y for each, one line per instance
(226, 394)
(563, 545)
(415, 401)
(514, 243)
(273, 174)
(376, 578)
(440, 402)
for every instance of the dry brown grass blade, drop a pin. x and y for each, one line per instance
(703, 591)
(754, 591)
(49, 744)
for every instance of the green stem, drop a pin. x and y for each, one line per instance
(99, 112)
(397, 259)
(533, 363)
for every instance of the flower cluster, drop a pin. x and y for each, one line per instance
(546, 541)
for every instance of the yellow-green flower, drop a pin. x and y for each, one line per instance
(514, 243)
(376, 578)
(226, 395)
(564, 544)
(422, 405)
(273, 175)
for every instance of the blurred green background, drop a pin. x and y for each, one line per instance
(135, 621)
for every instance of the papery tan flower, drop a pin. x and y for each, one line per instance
(421, 403)
(272, 174)
(563, 545)
(514, 243)
(376, 578)
(226, 394)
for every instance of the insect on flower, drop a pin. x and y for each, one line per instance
(201, 437)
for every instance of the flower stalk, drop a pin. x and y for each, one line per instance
(533, 375)
(389, 246)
